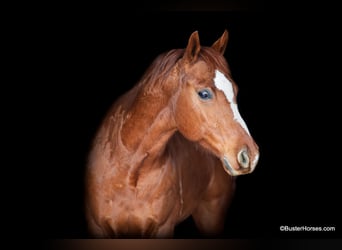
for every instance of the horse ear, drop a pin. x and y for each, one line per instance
(193, 48)
(221, 44)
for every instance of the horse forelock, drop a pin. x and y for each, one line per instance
(214, 60)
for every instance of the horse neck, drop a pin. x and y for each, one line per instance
(149, 122)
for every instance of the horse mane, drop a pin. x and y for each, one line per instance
(161, 68)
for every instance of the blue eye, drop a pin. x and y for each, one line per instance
(205, 94)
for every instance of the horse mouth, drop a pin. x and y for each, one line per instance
(231, 170)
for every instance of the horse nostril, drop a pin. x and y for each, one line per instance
(243, 158)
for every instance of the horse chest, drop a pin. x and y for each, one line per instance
(151, 204)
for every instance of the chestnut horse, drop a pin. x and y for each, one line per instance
(170, 148)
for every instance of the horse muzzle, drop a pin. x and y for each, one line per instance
(244, 164)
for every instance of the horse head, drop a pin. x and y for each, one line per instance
(206, 109)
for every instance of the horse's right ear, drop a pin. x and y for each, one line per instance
(193, 48)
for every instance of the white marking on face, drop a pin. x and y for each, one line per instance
(223, 84)
(254, 162)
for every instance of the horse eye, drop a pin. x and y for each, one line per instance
(205, 94)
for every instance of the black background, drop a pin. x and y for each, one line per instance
(85, 58)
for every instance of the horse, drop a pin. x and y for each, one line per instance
(169, 148)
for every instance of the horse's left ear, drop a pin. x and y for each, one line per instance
(193, 48)
(221, 44)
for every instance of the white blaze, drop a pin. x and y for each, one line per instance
(254, 162)
(223, 84)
